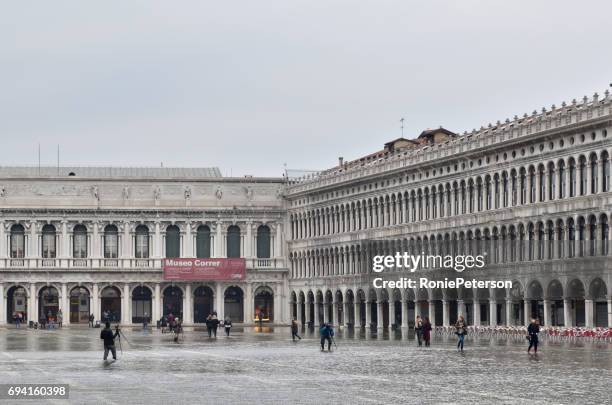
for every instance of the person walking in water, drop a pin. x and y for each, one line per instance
(227, 324)
(91, 320)
(418, 330)
(294, 330)
(460, 331)
(327, 333)
(109, 340)
(60, 318)
(426, 331)
(532, 331)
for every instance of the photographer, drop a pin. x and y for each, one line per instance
(109, 340)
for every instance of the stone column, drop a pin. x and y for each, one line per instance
(357, 314)
(248, 243)
(278, 241)
(405, 320)
(589, 177)
(219, 242)
(157, 243)
(445, 313)
(95, 243)
(33, 304)
(95, 302)
(126, 318)
(325, 312)
(432, 313)
(277, 305)
(609, 312)
(537, 185)
(127, 241)
(380, 321)
(547, 321)
(568, 320)
(3, 300)
(3, 241)
(188, 242)
(509, 320)
(492, 313)
(33, 240)
(188, 306)
(219, 299)
(461, 309)
(156, 310)
(566, 181)
(588, 313)
(368, 314)
(526, 312)
(65, 305)
(248, 304)
(476, 309)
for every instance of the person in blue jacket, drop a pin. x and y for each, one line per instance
(327, 332)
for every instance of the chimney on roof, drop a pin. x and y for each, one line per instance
(340, 161)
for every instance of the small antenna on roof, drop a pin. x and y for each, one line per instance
(402, 126)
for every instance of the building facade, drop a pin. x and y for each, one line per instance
(92, 240)
(532, 194)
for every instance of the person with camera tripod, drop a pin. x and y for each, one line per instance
(109, 340)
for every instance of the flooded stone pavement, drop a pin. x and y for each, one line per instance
(254, 366)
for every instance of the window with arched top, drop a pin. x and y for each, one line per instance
(49, 250)
(263, 242)
(17, 241)
(233, 241)
(173, 241)
(111, 242)
(141, 246)
(79, 242)
(203, 242)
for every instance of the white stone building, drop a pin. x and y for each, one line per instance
(533, 192)
(91, 241)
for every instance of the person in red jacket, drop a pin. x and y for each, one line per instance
(426, 331)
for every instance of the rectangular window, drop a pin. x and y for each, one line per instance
(111, 246)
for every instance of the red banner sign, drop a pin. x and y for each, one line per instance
(205, 269)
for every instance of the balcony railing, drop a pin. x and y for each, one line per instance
(117, 264)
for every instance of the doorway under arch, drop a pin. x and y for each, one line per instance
(48, 303)
(173, 302)
(17, 303)
(234, 304)
(141, 304)
(79, 305)
(264, 304)
(203, 303)
(110, 304)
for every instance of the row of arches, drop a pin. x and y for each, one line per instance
(111, 298)
(49, 241)
(555, 302)
(564, 178)
(547, 239)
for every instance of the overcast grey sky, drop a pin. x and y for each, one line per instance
(248, 86)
